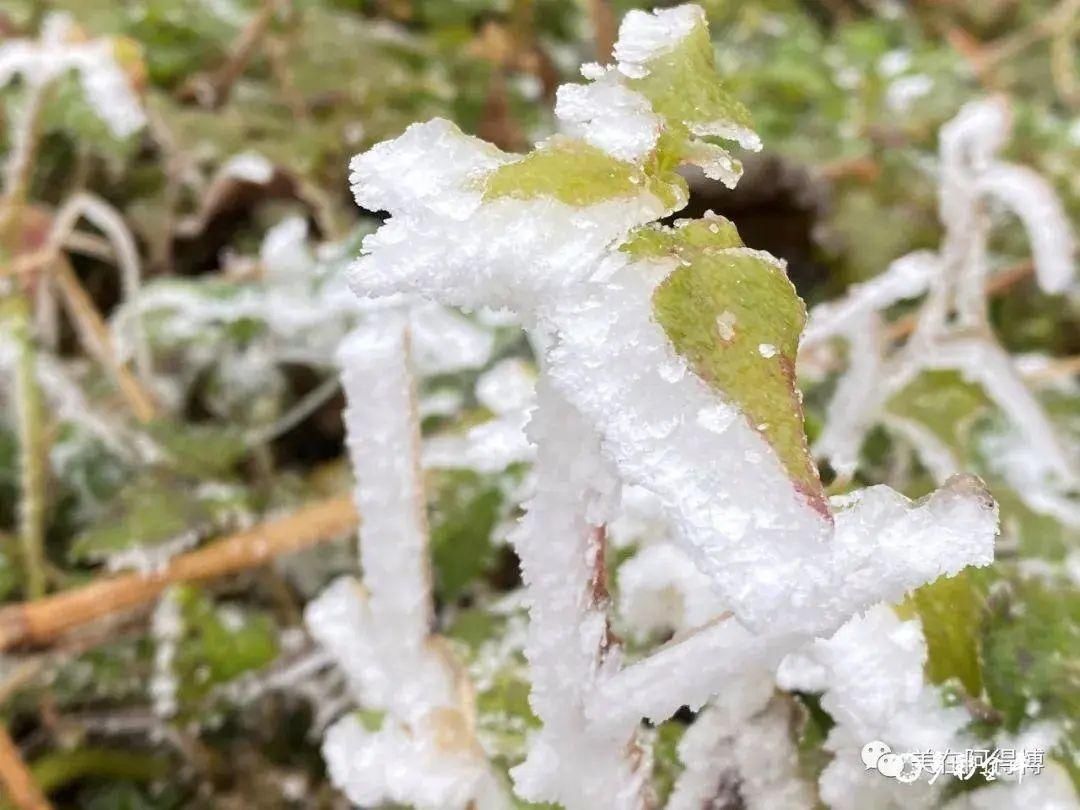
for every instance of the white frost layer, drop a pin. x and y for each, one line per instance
(508, 390)
(567, 647)
(508, 386)
(644, 36)
(424, 753)
(443, 242)
(739, 752)
(427, 768)
(1050, 790)
(384, 447)
(872, 669)
(850, 413)
(907, 277)
(167, 629)
(609, 116)
(306, 310)
(767, 551)
(105, 85)
(1033, 200)
(660, 589)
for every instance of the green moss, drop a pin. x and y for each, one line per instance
(737, 319)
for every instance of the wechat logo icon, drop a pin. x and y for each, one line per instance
(873, 754)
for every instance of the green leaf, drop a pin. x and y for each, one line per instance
(219, 643)
(152, 511)
(577, 174)
(945, 403)
(684, 87)
(463, 512)
(1031, 649)
(735, 316)
(199, 449)
(951, 610)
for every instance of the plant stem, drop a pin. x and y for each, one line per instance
(94, 336)
(30, 420)
(41, 621)
(60, 768)
(19, 783)
(19, 167)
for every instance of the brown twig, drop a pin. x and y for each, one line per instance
(1057, 368)
(605, 29)
(41, 621)
(213, 90)
(95, 338)
(1045, 26)
(19, 784)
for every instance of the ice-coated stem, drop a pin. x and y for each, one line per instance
(569, 647)
(420, 748)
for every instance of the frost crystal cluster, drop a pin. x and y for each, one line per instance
(667, 360)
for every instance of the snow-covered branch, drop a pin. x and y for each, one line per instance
(414, 743)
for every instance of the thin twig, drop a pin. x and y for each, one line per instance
(19, 166)
(1004, 49)
(33, 451)
(305, 406)
(41, 621)
(22, 790)
(605, 30)
(213, 90)
(95, 338)
(1056, 368)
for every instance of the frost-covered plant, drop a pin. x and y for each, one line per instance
(952, 331)
(413, 742)
(952, 393)
(290, 304)
(102, 67)
(667, 363)
(98, 62)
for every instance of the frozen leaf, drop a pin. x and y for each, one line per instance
(718, 279)
(951, 612)
(574, 173)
